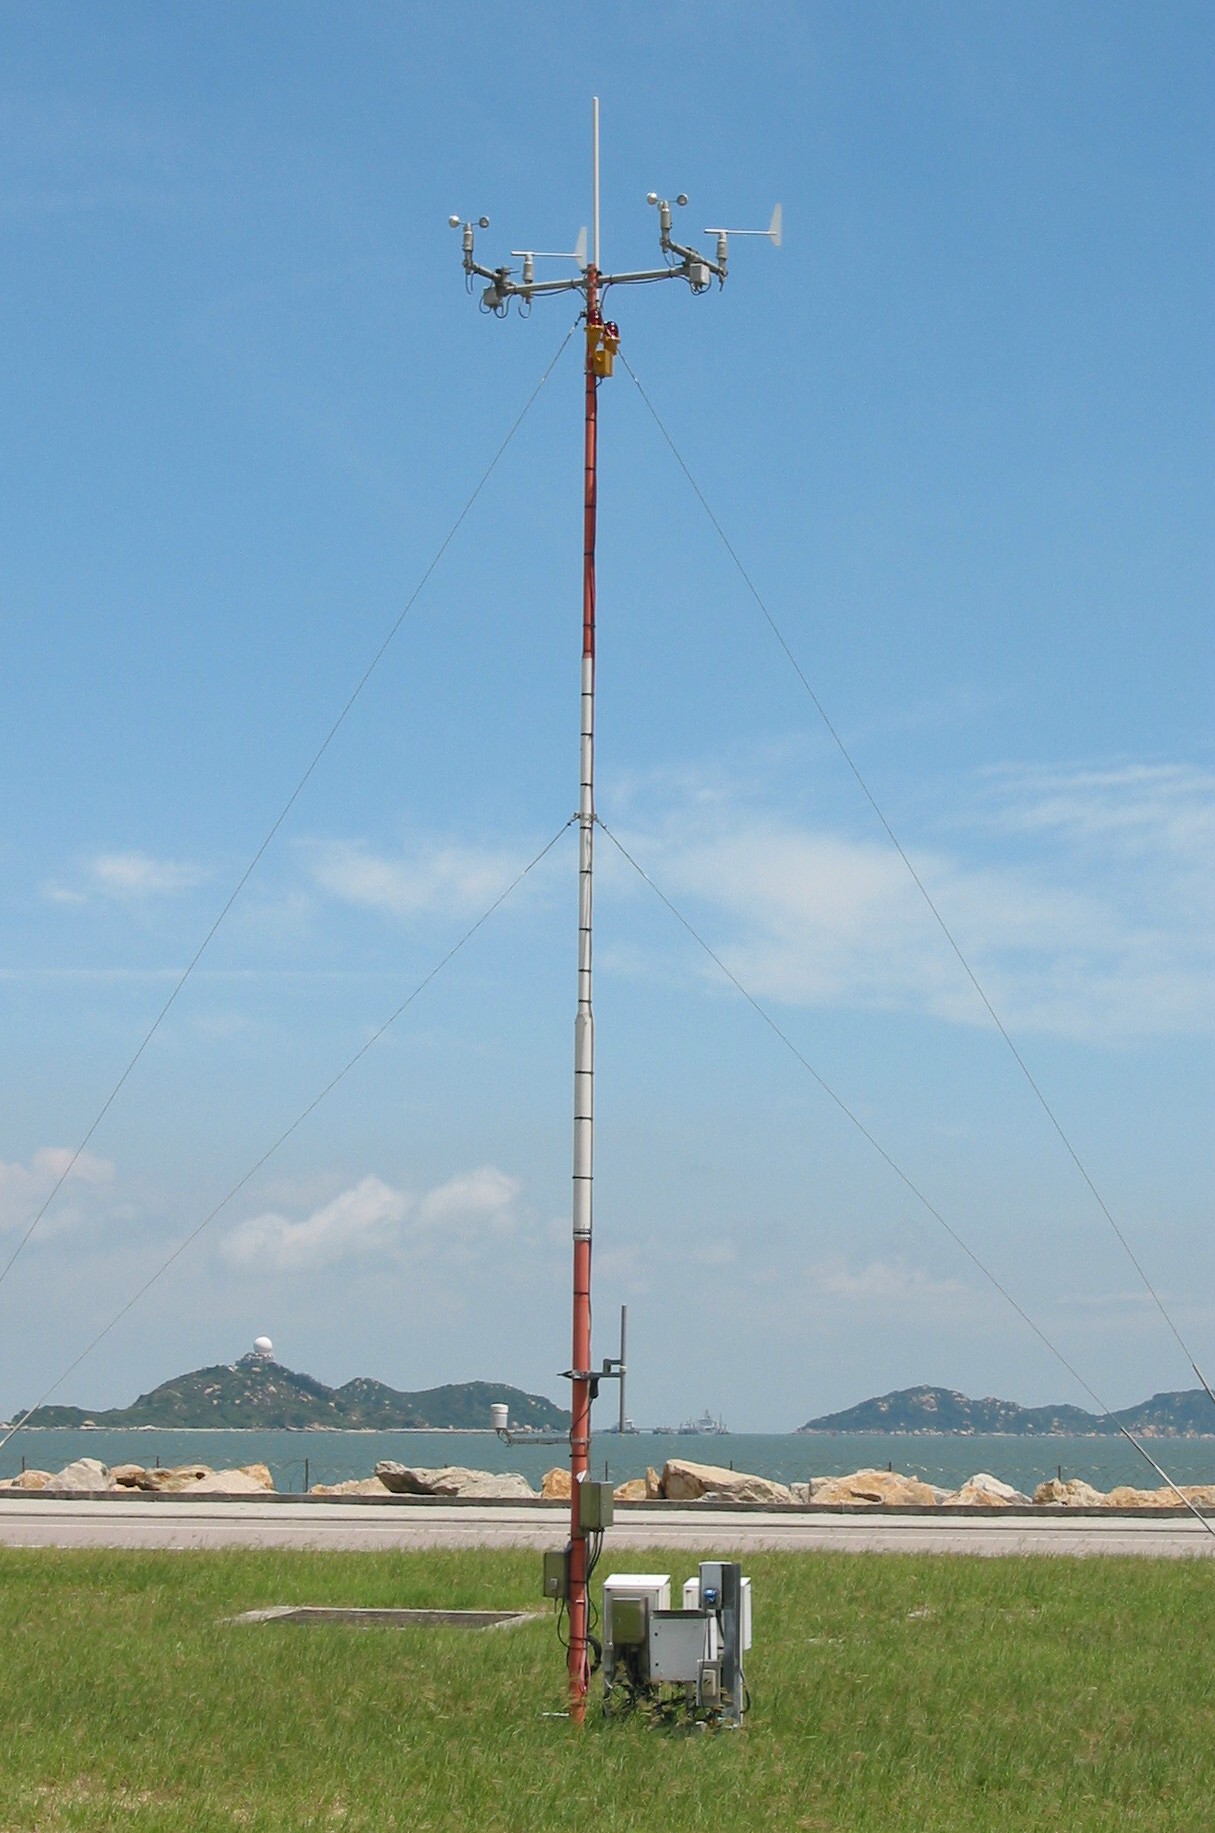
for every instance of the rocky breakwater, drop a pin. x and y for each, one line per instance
(454, 1481)
(683, 1481)
(891, 1489)
(87, 1477)
(680, 1480)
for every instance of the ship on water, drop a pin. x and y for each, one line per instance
(694, 1428)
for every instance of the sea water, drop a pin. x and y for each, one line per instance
(298, 1459)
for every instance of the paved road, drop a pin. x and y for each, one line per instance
(34, 1521)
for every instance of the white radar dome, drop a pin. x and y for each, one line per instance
(262, 1346)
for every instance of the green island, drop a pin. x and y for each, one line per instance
(261, 1394)
(919, 1410)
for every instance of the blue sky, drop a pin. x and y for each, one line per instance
(958, 429)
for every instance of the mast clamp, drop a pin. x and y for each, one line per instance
(612, 1370)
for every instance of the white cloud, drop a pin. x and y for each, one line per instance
(363, 1220)
(25, 1187)
(1085, 905)
(138, 875)
(871, 1301)
(1146, 809)
(127, 876)
(486, 1196)
(373, 1219)
(429, 880)
(883, 1284)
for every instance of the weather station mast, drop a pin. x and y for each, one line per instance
(590, 1510)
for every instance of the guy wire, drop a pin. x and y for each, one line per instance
(924, 892)
(903, 1177)
(286, 1133)
(288, 805)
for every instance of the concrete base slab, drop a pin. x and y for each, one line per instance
(371, 1618)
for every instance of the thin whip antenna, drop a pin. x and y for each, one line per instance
(595, 172)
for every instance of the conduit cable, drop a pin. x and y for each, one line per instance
(288, 805)
(904, 1177)
(285, 1135)
(921, 887)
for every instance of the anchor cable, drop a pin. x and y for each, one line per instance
(922, 888)
(288, 805)
(285, 1135)
(904, 1177)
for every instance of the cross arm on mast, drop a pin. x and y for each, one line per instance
(648, 273)
(682, 261)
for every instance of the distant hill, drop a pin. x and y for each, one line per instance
(936, 1409)
(1188, 1414)
(262, 1394)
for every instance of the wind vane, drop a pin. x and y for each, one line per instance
(588, 1506)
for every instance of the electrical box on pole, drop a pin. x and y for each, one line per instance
(595, 1506)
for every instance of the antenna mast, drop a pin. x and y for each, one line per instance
(602, 343)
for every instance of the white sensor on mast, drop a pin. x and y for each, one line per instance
(773, 231)
(529, 257)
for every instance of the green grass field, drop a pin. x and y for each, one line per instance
(935, 1694)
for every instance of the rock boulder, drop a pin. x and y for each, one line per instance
(1125, 1496)
(453, 1480)
(29, 1479)
(85, 1477)
(985, 1491)
(1073, 1493)
(1202, 1495)
(634, 1490)
(497, 1486)
(175, 1477)
(354, 1486)
(884, 1488)
(555, 1484)
(683, 1481)
(247, 1480)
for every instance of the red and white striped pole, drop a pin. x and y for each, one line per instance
(584, 1043)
